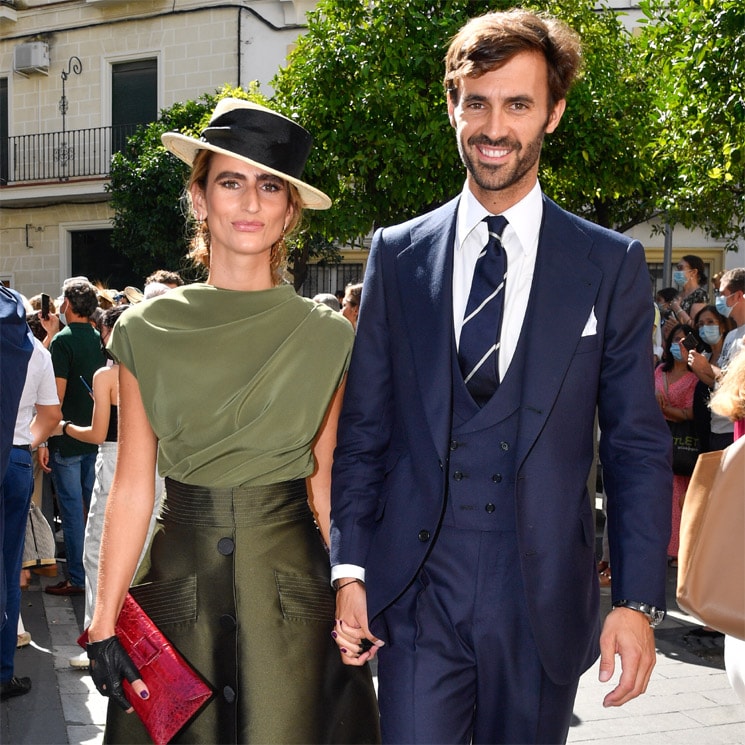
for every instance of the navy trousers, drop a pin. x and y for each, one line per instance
(460, 664)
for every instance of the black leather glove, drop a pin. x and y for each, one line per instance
(110, 663)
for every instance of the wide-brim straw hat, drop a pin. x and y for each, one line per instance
(133, 294)
(258, 136)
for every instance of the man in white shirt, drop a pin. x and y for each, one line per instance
(38, 414)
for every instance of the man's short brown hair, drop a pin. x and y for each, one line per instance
(488, 42)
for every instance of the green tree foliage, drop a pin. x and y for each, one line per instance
(146, 186)
(367, 81)
(696, 50)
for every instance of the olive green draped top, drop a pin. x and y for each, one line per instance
(235, 384)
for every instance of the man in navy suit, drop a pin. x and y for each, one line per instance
(463, 542)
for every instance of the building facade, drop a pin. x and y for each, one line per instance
(76, 76)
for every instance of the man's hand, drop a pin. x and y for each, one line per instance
(627, 633)
(51, 325)
(351, 630)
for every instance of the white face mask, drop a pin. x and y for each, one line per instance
(61, 315)
(710, 334)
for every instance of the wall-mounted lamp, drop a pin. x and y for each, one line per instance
(29, 229)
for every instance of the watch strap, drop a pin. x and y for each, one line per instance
(655, 615)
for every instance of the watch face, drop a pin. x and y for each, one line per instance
(656, 617)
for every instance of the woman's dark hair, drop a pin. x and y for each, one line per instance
(667, 356)
(696, 263)
(668, 294)
(110, 316)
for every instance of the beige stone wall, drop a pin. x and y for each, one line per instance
(43, 264)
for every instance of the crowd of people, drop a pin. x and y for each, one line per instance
(701, 340)
(397, 474)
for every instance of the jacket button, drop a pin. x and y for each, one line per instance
(453, 444)
(504, 445)
(458, 475)
(226, 546)
(490, 508)
(423, 536)
(497, 478)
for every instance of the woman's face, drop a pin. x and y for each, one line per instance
(707, 318)
(678, 337)
(349, 310)
(684, 266)
(245, 207)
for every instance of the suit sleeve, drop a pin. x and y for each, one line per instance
(635, 445)
(365, 424)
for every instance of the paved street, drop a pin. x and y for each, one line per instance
(689, 699)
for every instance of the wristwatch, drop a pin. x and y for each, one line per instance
(655, 615)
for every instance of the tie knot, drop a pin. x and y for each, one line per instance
(496, 224)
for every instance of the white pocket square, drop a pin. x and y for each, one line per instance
(591, 327)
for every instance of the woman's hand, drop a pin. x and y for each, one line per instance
(110, 664)
(701, 367)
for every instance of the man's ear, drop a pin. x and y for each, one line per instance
(555, 116)
(451, 111)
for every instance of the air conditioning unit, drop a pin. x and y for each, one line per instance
(31, 57)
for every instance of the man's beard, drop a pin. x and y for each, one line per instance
(500, 177)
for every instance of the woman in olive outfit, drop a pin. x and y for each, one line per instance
(236, 384)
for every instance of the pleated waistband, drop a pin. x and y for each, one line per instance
(239, 506)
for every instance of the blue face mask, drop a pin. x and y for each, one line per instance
(679, 277)
(710, 334)
(675, 351)
(721, 305)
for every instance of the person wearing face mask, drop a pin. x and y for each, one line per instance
(729, 304)
(690, 277)
(712, 327)
(76, 355)
(674, 388)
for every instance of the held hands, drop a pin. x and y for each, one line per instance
(627, 633)
(356, 643)
(110, 663)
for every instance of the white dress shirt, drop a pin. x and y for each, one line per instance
(520, 241)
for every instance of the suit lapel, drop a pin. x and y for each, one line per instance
(564, 290)
(425, 270)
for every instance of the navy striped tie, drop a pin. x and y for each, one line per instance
(478, 351)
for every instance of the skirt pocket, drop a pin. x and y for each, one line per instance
(305, 598)
(168, 601)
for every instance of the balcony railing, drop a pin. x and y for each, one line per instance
(78, 153)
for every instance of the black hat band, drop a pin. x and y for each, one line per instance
(268, 139)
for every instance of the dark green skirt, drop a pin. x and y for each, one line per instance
(238, 580)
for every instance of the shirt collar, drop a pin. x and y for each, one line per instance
(525, 217)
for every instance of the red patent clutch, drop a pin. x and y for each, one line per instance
(177, 691)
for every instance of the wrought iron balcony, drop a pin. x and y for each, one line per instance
(61, 156)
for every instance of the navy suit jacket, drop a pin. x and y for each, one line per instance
(391, 462)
